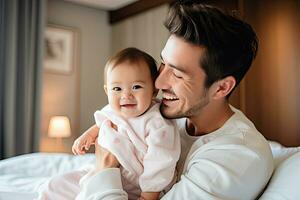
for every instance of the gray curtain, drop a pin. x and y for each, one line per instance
(22, 25)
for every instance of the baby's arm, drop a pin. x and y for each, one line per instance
(149, 196)
(83, 143)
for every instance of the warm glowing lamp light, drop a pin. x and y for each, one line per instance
(59, 127)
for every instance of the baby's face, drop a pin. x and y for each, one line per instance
(130, 89)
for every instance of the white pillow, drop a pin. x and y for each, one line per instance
(280, 153)
(284, 184)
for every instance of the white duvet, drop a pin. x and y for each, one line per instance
(21, 177)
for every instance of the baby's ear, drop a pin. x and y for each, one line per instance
(105, 89)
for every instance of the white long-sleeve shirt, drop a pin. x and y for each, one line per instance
(232, 163)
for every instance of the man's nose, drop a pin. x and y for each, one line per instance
(163, 79)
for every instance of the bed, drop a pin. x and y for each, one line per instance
(22, 177)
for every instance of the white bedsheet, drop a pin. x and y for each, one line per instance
(21, 177)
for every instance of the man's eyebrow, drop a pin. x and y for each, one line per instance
(174, 66)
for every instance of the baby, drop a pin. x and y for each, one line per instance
(132, 128)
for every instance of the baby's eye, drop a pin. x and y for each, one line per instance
(136, 87)
(116, 89)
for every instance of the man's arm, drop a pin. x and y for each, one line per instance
(222, 172)
(106, 183)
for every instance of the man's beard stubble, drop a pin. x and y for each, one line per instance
(194, 110)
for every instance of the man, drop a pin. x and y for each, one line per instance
(223, 155)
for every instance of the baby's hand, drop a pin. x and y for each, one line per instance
(82, 144)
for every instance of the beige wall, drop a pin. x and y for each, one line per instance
(80, 93)
(144, 31)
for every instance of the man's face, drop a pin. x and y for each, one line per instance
(181, 79)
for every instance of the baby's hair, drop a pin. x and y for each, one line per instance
(131, 55)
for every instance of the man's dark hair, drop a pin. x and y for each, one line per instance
(230, 44)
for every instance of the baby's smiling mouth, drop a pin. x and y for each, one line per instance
(128, 105)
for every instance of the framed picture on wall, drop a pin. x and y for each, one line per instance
(60, 49)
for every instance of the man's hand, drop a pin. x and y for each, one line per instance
(105, 159)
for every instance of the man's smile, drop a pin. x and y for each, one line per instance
(169, 98)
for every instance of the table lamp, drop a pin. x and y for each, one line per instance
(59, 127)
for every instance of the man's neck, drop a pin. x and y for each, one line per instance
(211, 118)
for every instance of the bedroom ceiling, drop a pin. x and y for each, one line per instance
(104, 4)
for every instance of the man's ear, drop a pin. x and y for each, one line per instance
(105, 89)
(223, 87)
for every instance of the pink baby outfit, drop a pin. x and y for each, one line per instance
(147, 147)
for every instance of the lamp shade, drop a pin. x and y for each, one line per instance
(59, 127)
